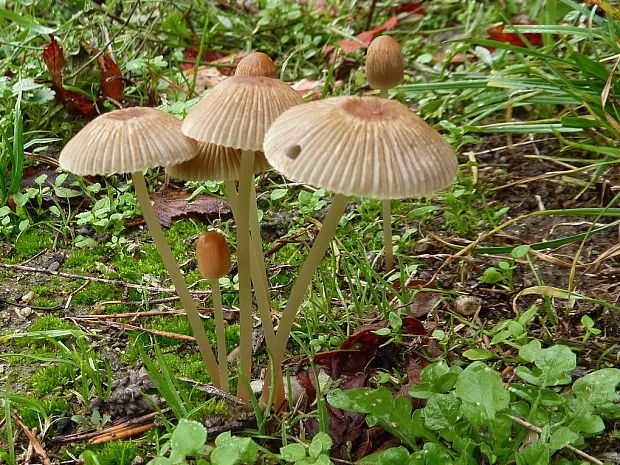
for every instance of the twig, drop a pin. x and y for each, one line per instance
(38, 448)
(138, 314)
(156, 332)
(121, 433)
(536, 429)
(20, 305)
(109, 429)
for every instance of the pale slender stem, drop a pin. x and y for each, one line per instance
(311, 264)
(259, 273)
(387, 221)
(220, 333)
(177, 278)
(387, 234)
(246, 177)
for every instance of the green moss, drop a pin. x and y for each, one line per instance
(97, 292)
(52, 378)
(29, 408)
(115, 453)
(32, 241)
(42, 302)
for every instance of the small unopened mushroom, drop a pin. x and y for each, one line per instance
(385, 69)
(213, 258)
(256, 64)
(384, 63)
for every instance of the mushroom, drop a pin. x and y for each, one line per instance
(362, 146)
(132, 141)
(385, 69)
(237, 113)
(213, 258)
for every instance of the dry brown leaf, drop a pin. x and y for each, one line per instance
(172, 205)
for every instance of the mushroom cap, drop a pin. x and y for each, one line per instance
(214, 162)
(212, 255)
(362, 146)
(256, 64)
(238, 111)
(125, 141)
(384, 63)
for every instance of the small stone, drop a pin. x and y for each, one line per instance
(54, 266)
(27, 298)
(23, 312)
(467, 305)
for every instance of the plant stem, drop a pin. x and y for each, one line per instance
(220, 334)
(387, 221)
(246, 177)
(321, 243)
(177, 278)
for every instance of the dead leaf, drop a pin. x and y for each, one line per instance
(209, 76)
(367, 36)
(306, 87)
(496, 32)
(172, 205)
(423, 301)
(54, 60)
(410, 7)
(111, 78)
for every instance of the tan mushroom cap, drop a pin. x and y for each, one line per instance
(125, 141)
(256, 64)
(384, 63)
(214, 162)
(238, 111)
(362, 146)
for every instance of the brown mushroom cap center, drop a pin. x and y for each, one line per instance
(129, 113)
(370, 109)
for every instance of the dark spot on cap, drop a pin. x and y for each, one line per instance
(293, 151)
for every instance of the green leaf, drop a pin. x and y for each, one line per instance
(188, 438)
(321, 443)
(391, 456)
(479, 354)
(293, 452)
(482, 392)
(599, 387)
(561, 438)
(441, 411)
(233, 450)
(536, 454)
(552, 364)
(25, 21)
(432, 454)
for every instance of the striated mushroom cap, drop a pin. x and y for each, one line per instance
(362, 146)
(238, 111)
(216, 163)
(125, 141)
(384, 63)
(256, 64)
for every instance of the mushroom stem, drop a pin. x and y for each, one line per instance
(387, 221)
(316, 254)
(258, 271)
(177, 278)
(246, 176)
(220, 333)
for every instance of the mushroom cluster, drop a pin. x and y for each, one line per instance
(352, 146)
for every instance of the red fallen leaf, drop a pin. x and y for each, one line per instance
(423, 301)
(410, 7)
(496, 32)
(413, 326)
(170, 205)
(111, 78)
(192, 53)
(54, 60)
(76, 103)
(342, 362)
(306, 87)
(367, 36)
